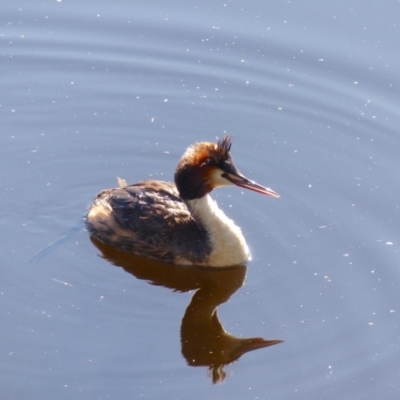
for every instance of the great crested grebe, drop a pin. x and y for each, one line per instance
(177, 223)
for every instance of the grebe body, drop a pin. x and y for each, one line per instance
(177, 223)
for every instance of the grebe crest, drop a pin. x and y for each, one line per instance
(178, 223)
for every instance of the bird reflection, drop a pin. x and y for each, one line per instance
(203, 338)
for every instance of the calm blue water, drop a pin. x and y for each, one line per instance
(96, 90)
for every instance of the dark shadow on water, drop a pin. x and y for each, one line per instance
(203, 338)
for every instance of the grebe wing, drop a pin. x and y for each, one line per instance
(149, 205)
(150, 219)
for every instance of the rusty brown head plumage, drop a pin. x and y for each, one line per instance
(205, 166)
(195, 168)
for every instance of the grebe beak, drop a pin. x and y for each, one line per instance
(242, 181)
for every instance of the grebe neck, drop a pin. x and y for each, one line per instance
(228, 243)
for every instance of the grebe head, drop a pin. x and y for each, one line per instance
(205, 166)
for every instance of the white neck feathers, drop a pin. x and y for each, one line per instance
(228, 244)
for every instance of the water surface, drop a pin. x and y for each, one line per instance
(310, 92)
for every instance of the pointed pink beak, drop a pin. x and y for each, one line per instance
(242, 181)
